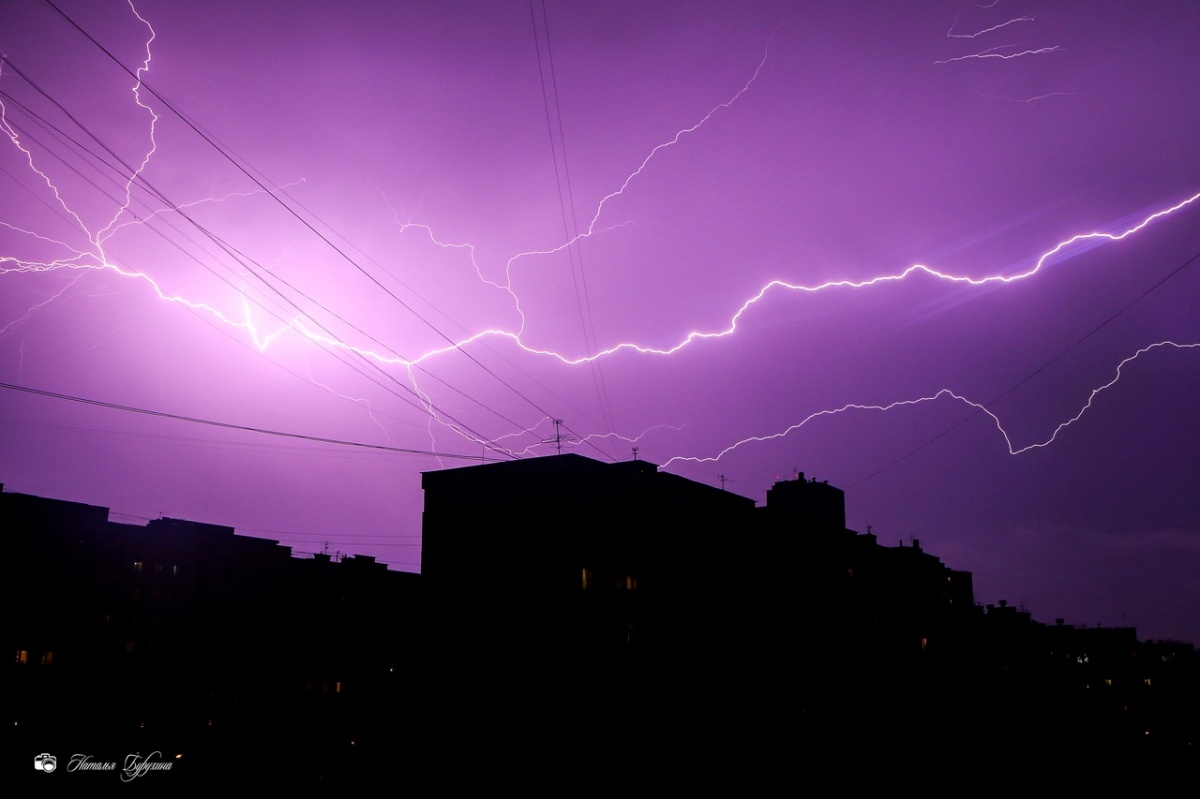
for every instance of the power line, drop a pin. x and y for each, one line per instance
(274, 196)
(1032, 374)
(421, 402)
(230, 425)
(571, 228)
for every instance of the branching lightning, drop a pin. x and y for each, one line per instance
(592, 437)
(97, 258)
(16, 323)
(945, 393)
(993, 52)
(950, 34)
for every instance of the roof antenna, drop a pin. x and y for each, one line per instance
(557, 439)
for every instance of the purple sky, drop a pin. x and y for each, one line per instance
(701, 151)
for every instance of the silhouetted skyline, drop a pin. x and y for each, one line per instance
(444, 149)
(664, 600)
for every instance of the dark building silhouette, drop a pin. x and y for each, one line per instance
(184, 635)
(611, 607)
(548, 552)
(539, 554)
(643, 586)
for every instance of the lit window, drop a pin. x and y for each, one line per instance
(22, 656)
(1146, 681)
(48, 660)
(587, 578)
(138, 565)
(1108, 681)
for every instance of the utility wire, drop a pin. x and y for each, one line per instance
(342, 253)
(229, 425)
(1032, 374)
(421, 402)
(571, 227)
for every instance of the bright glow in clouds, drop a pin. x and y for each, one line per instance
(740, 221)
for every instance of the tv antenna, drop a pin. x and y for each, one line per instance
(557, 439)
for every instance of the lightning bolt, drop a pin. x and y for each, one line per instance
(96, 257)
(137, 94)
(591, 229)
(1031, 100)
(991, 52)
(588, 438)
(16, 323)
(361, 401)
(262, 339)
(944, 393)
(783, 285)
(950, 34)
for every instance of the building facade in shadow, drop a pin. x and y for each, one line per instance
(689, 608)
(182, 635)
(564, 595)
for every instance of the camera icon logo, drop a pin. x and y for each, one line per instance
(45, 762)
